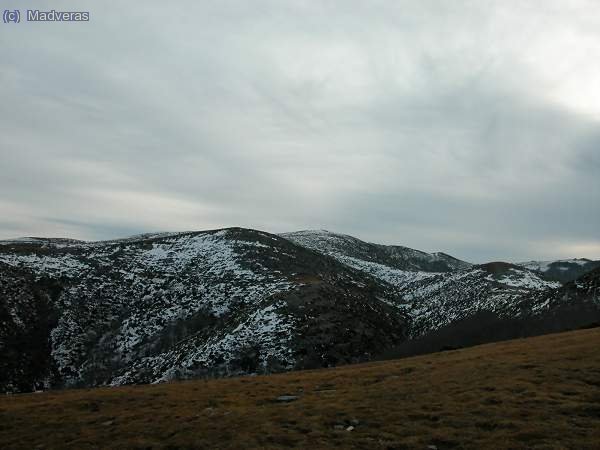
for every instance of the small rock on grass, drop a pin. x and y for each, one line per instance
(286, 398)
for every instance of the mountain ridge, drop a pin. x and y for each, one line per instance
(161, 306)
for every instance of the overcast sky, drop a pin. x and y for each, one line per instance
(470, 127)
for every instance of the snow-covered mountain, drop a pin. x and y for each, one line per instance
(436, 289)
(155, 307)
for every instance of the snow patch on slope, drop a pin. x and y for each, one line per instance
(57, 266)
(523, 279)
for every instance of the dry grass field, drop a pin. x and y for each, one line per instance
(541, 392)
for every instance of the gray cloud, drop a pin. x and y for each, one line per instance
(467, 127)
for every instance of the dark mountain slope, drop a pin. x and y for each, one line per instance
(26, 321)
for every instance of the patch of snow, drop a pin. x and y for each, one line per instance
(64, 265)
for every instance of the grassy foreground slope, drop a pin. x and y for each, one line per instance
(541, 392)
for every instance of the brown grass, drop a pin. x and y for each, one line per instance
(540, 392)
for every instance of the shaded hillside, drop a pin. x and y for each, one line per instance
(538, 393)
(27, 317)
